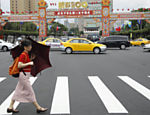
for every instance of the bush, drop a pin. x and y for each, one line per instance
(145, 33)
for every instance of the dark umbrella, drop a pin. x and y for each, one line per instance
(41, 52)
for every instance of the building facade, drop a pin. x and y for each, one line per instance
(23, 6)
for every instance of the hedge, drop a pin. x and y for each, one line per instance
(136, 33)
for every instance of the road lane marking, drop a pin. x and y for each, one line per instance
(149, 76)
(6, 103)
(61, 103)
(111, 103)
(2, 79)
(135, 85)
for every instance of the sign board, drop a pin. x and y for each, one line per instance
(68, 5)
(73, 13)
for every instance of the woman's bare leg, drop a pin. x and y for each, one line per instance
(36, 105)
(11, 104)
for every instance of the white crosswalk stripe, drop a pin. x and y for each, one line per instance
(5, 104)
(149, 76)
(111, 103)
(135, 85)
(61, 103)
(2, 79)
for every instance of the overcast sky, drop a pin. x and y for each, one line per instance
(5, 4)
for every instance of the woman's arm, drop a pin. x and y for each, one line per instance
(22, 65)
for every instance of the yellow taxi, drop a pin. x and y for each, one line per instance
(55, 43)
(140, 42)
(82, 45)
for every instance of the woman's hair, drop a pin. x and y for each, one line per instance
(26, 43)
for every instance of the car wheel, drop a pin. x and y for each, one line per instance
(142, 44)
(123, 47)
(68, 50)
(97, 50)
(5, 48)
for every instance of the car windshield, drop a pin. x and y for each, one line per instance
(50, 40)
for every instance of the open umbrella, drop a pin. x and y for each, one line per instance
(41, 61)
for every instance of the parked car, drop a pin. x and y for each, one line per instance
(55, 43)
(140, 42)
(146, 47)
(93, 37)
(5, 46)
(82, 45)
(121, 42)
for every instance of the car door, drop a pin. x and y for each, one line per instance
(135, 42)
(56, 44)
(109, 42)
(85, 45)
(49, 42)
(140, 41)
(74, 44)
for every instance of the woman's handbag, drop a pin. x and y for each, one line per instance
(14, 71)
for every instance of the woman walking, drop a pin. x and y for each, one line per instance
(24, 92)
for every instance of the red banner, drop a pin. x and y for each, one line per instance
(73, 13)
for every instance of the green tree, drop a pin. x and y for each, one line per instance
(74, 32)
(60, 31)
(135, 24)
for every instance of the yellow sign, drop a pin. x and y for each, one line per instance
(65, 5)
(105, 2)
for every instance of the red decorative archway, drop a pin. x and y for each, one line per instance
(103, 15)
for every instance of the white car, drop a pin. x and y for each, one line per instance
(146, 47)
(5, 46)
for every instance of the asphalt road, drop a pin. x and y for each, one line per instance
(113, 83)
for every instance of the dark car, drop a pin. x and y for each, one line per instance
(121, 42)
(93, 37)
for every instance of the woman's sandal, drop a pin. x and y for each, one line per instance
(41, 110)
(12, 111)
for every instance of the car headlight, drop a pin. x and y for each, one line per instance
(104, 46)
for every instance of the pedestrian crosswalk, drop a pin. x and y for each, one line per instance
(61, 97)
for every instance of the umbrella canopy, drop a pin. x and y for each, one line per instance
(41, 52)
